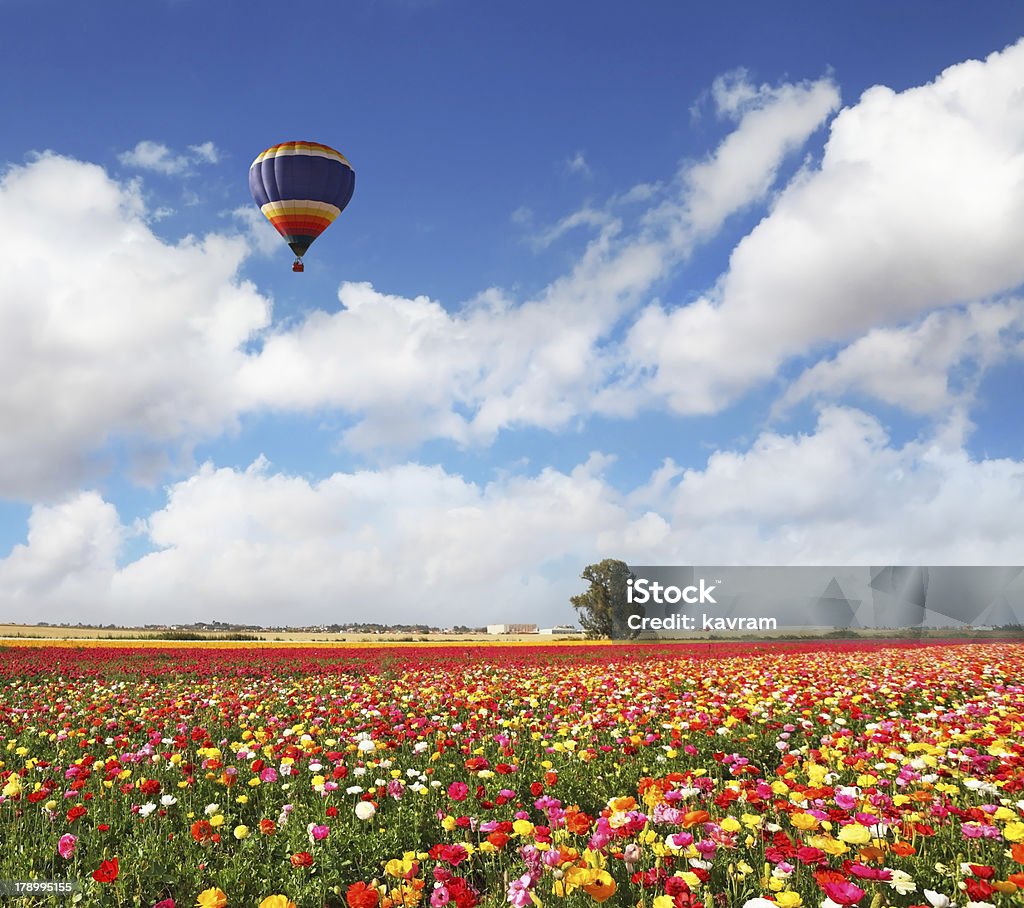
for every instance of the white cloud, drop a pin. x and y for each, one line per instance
(70, 555)
(157, 157)
(416, 542)
(107, 331)
(416, 370)
(206, 152)
(577, 164)
(911, 366)
(917, 204)
(258, 230)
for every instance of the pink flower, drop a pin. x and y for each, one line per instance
(440, 897)
(320, 832)
(457, 791)
(66, 845)
(843, 893)
(165, 903)
(519, 892)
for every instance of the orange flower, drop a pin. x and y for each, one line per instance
(576, 821)
(623, 804)
(1017, 851)
(903, 849)
(602, 887)
(277, 901)
(268, 827)
(301, 859)
(693, 817)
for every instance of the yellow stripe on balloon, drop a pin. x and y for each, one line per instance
(301, 207)
(302, 148)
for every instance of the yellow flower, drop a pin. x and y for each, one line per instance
(522, 827)
(663, 901)
(1014, 832)
(788, 900)
(398, 868)
(217, 820)
(277, 901)
(12, 788)
(241, 832)
(855, 834)
(212, 898)
(804, 821)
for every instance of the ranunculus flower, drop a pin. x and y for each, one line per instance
(365, 810)
(277, 901)
(212, 898)
(319, 832)
(66, 845)
(457, 791)
(106, 872)
(359, 895)
(301, 859)
(843, 893)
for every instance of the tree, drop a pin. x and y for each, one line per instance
(604, 608)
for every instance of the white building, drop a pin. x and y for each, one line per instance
(511, 628)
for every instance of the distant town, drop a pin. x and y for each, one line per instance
(222, 627)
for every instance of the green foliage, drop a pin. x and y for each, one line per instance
(603, 609)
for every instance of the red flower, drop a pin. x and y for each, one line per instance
(301, 859)
(106, 872)
(450, 854)
(75, 812)
(359, 895)
(202, 832)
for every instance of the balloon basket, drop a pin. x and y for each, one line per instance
(298, 266)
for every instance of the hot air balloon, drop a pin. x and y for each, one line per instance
(301, 187)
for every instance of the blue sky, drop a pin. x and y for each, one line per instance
(675, 284)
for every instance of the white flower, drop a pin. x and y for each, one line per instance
(759, 903)
(146, 809)
(354, 789)
(359, 771)
(937, 899)
(366, 746)
(902, 881)
(365, 810)
(211, 809)
(168, 800)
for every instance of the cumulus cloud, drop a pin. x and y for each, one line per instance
(417, 542)
(415, 370)
(109, 333)
(917, 204)
(911, 367)
(159, 158)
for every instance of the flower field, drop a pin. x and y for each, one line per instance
(657, 775)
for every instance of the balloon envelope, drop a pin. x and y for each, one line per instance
(301, 187)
